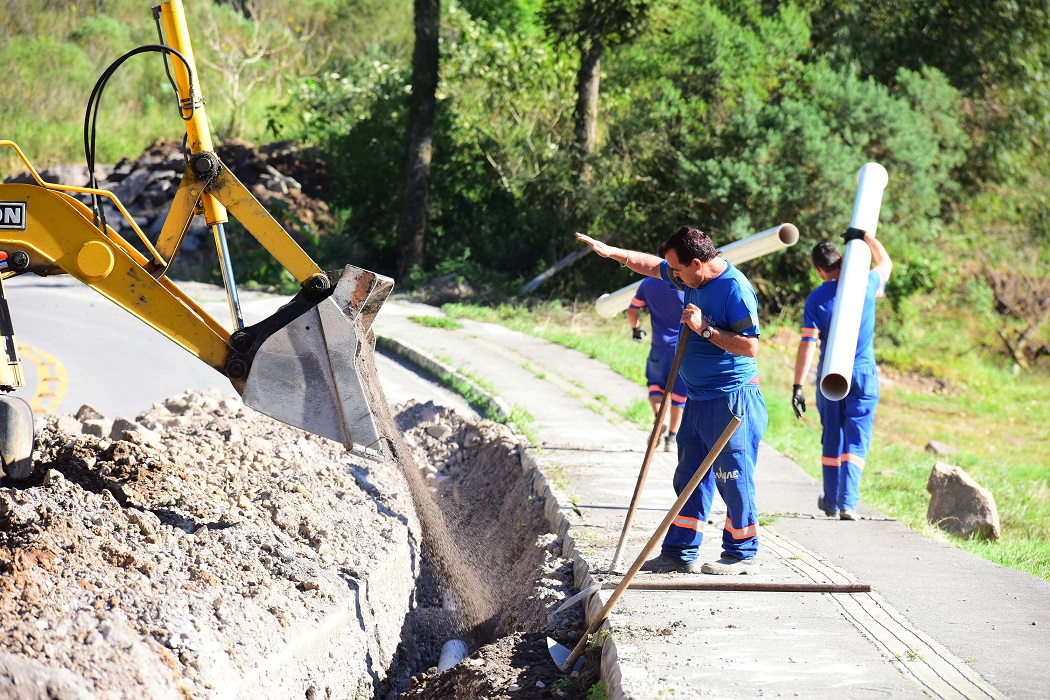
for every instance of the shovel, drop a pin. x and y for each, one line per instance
(654, 438)
(565, 658)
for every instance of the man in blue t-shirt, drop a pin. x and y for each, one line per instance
(721, 378)
(665, 304)
(846, 424)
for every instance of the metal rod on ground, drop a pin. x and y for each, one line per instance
(654, 437)
(766, 587)
(698, 476)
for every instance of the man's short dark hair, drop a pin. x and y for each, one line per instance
(689, 243)
(826, 257)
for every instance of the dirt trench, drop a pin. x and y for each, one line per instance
(204, 550)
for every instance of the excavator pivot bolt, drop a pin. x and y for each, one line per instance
(19, 260)
(236, 368)
(318, 284)
(241, 341)
(204, 164)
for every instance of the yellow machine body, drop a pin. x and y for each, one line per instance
(300, 366)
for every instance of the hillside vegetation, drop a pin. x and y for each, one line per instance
(54, 51)
(735, 115)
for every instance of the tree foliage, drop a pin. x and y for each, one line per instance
(580, 23)
(734, 115)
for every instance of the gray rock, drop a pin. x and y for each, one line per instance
(940, 449)
(124, 429)
(69, 424)
(28, 679)
(120, 425)
(98, 427)
(87, 412)
(439, 431)
(959, 505)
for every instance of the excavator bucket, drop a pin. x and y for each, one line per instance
(308, 371)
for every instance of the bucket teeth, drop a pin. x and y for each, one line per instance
(360, 294)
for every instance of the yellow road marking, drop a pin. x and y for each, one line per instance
(52, 382)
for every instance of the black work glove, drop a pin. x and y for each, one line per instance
(853, 234)
(638, 334)
(798, 400)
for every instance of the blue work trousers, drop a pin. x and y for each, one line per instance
(733, 473)
(846, 438)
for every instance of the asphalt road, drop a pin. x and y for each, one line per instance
(79, 348)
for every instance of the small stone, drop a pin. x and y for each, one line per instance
(439, 432)
(939, 448)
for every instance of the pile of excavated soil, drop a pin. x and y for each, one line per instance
(213, 552)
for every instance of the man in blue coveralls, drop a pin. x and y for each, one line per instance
(847, 423)
(721, 378)
(665, 305)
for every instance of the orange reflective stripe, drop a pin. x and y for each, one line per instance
(687, 523)
(830, 461)
(681, 398)
(852, 459)
(810, 332)
(742, 533)
(655, 387)
(636, 303)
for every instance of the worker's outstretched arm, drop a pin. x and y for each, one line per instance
(879, 256)
(642, 263)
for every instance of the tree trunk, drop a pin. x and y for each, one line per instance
(415, 180)
(586, 115)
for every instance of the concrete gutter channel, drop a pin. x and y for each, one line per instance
(993, 623)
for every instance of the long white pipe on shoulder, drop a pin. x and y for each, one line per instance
(768, 241)
(853, 283)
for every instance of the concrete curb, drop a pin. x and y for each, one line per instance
(499, 410)
(531, 465)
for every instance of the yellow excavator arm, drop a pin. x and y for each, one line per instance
(300, 366)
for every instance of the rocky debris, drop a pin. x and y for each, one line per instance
(959, 505)
(213, 552)
(231, 556)
(514, 667)
(146, 186)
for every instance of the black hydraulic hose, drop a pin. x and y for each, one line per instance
(91, 113)
(167, 71)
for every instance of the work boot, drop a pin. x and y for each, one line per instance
(727, 566)
(847, 515)
(664, 564)
(828, 512)
(671, 442)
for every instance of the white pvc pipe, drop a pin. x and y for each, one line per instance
(853, 283)
(768, 241)
(452, 652)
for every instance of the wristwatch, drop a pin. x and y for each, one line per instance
(706, 333)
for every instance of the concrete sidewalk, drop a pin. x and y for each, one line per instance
(938, 622)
